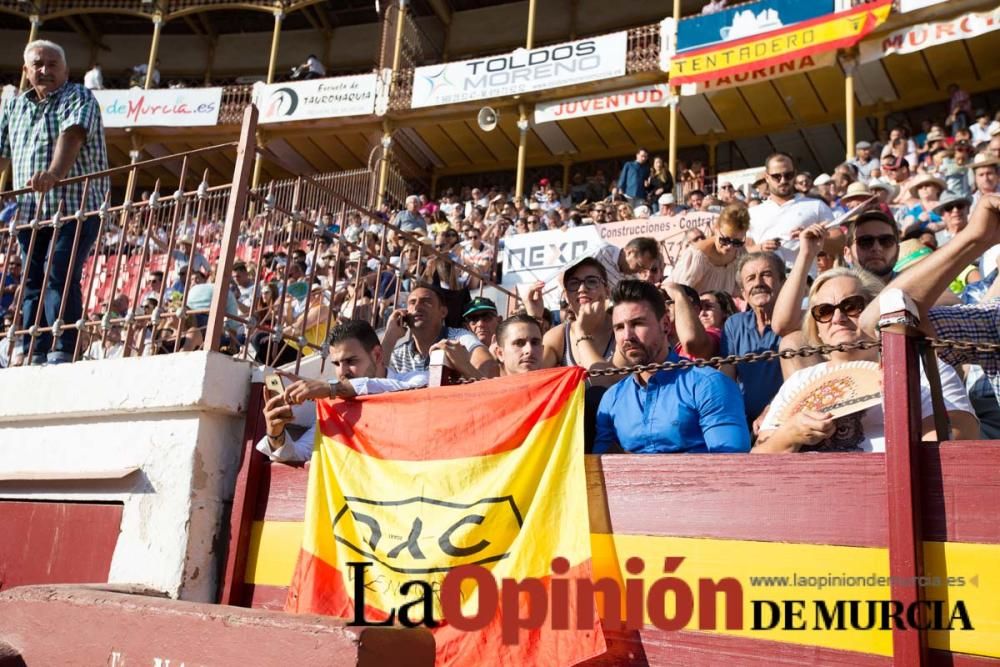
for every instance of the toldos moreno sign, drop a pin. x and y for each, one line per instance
(521, 71)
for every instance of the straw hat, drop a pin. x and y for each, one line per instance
(879, 184)
(856, 190)
(984, 160)
(920, 181)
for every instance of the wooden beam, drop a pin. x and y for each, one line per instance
(442, 10)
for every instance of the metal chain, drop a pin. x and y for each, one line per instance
(750, 358)
(963, 346)
(770, 355)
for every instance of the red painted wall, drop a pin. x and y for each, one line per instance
(57, 542)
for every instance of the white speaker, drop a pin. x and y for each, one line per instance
(487, 119)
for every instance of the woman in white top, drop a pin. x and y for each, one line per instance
(709, 265)
(836, 301)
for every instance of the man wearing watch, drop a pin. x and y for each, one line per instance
(357, 356)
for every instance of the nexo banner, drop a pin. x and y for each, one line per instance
(521, 71)
(316, 98)
(748, 19)
(169, 107)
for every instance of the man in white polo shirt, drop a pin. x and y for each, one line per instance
(784, 212)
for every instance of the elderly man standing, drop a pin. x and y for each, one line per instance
(49, 133)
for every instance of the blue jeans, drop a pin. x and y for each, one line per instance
(59, 272)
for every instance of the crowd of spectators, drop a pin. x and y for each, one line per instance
(791, 260)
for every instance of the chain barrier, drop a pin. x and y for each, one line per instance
(770, 355)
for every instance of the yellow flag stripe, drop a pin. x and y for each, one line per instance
(419, 519)
(274, 549)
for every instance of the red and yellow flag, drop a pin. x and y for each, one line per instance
(414, 484)
(822, 34)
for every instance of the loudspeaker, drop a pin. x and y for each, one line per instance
(487, 119)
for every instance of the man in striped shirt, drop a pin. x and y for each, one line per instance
(49, 133)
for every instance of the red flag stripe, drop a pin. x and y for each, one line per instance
(495, 416)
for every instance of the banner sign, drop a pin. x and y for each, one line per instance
(826, 33)
(521, 71)
(543, 256)
(426, 533)
(914, 5)
(794, 66)
(162, 107)
(655, 95)
(747, 20)
(925, 35)
(317, 98)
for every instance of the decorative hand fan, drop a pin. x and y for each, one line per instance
(840, 390)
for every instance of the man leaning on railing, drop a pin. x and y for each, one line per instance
(51, 132)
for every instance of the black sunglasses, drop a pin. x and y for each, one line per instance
(951, 207)
(852, 306)
(868, 242)
(728, 240)
(786, 176)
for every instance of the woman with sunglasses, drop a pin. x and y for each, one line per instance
(710, 265)
(836, 301)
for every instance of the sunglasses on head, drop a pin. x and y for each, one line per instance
(852, 306)
(868, 242)
(785, 176)
(728, 240)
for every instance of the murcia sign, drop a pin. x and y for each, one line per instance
(316, 98)
(521, 71)
(166, 107)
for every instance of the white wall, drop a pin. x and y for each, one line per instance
(177, 418)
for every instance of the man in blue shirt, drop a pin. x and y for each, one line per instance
(761, 274)
(660, 412)
(632, 180)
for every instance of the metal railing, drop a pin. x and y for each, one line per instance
(158, 276)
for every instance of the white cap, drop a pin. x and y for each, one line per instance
(822, 179)
(666, 198)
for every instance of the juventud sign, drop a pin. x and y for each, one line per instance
(172, 107)
(657, 95)
(521, 71)
(925, 35)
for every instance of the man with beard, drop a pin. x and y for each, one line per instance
(519, 344)
(773, 223)
(873, 244)
(657, 412)
(761, 275)
(357, 356)
(424, 317)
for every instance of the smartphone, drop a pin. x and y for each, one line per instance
(274, 385)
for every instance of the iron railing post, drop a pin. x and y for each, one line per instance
(246, 151)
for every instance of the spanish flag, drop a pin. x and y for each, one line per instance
(405, 487)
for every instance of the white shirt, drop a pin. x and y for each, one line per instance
(608, 256)
(866, 429)
(315, 66)
(771, 220)
(301, 448)
(94, 79)
(979, 133)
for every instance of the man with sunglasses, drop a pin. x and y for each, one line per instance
(954, 212)
(774, 222)
(481, 318)
(873, 244)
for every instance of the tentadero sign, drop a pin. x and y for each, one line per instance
(521, 71)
